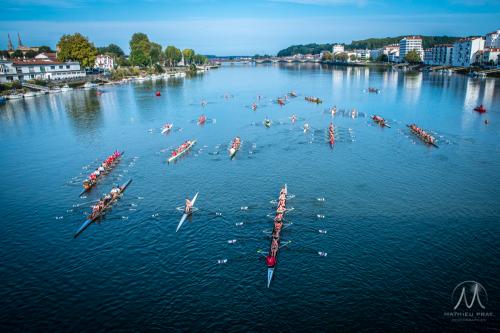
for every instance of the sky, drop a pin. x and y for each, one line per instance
(218, 27)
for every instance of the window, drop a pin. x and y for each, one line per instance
(60, 67)
(52, 67)
(67, 66)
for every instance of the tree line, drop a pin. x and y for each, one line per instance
(143, 52)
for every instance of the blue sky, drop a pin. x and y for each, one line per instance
(242, 27)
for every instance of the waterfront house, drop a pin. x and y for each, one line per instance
(42, 67)
(492, 39)
(488, 57)
(465, 49)
(428, 56)
(337, 48)
(410, 43)
(104, 61)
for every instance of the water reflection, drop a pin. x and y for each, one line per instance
(84, 110)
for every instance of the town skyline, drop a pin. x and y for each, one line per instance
(258, 28)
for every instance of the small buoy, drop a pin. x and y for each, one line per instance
(158, 93)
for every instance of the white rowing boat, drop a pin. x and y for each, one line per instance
(184, 217)
(173, 158)
(167, 128)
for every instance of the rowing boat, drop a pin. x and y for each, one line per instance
(313, 99)
(271, 259)
(87, 186)
(331, 134)
(103, 211)
(185, 215)
(429, 140)
(173, 158)
(379, 120)
(267, 123)
(167, 128)
(235, 146)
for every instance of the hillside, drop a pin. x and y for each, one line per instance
(370, 43)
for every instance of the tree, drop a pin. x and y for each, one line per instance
(383, 58)
(327, 56)
(413, 57)
(17, 54)
(78, 48)
(155, 53)
(115, 50)
(30, 54)
(352, 57)
(173, 55)
(140, 47)
(44, 49)
(199, 59)
(342, 56)
(188, 55)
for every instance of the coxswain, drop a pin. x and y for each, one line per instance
(294, 118)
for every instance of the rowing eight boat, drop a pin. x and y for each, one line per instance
(235, 146)
(185, 215)
(275, 239)
(381, 121)
(91, 184)
(173, 158)
(429, 140)
(103, 211)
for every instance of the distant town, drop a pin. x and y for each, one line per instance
(77, 61)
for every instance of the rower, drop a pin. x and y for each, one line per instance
(189, 206)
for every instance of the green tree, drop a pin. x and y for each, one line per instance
(44, 49)
(30, 54)
(17, 54)
(155, 53)
(188, 55)
(342, 56)
(199, 59)
(123, 62)
(78, 48)
(352, 57)
(327, 56)
(383, 58)
(140, 46)
(413, 57)
(173, 55)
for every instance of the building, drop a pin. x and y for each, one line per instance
(442, 55)
(43, 67)
(363, 54)
(492, 39)
(465, 49)
(410, 43)
(104, 61)
(337, 48)
(489, 56)
(428, 56)
(20, 45)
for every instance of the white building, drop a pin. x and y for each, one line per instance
(104, 61)
(43, 67)
(492, 39)
(464, 51)
(442, 54)
(490, 56)
(410, 43)
(337, 48)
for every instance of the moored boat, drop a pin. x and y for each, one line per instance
(29, 94)
(271, 258)
(235, 146)
(181, 150)
(14, 96)
(99, 210)
(66, 88)
(423, 135)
